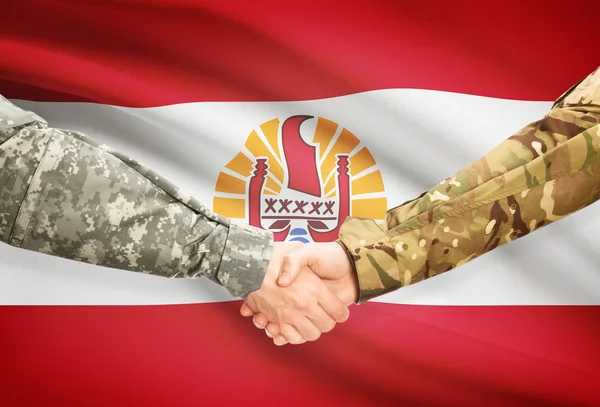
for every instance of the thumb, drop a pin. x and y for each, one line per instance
(294, 262)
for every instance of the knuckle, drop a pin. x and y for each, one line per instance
(329, 327)
(340, 314)
(295, 340)
(280, 341)
(301, 302)
(304, 305)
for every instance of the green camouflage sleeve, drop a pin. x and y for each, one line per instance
(546, 171)
(66, 195)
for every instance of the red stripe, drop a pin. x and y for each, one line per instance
(157, 52)
(197, 355)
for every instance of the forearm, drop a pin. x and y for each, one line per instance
(543, 173)
(65, 195)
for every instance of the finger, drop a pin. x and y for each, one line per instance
(306, 328)
(246, 311)
(291, 334)
(290, 269)
(280, 340)
(322, 321)
(333, 306)
(272, 330)
(293, 262)
(261, 320)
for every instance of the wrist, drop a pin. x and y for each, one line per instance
(245, 259)
(351, 289)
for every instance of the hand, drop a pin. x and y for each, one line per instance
(329, 262)
(303, 310)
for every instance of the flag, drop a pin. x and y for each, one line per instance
(198, 91)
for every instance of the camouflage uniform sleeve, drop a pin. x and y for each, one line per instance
(544, 172)
(63, 194)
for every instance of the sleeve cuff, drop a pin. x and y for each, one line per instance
(373, 256)
(245, 259)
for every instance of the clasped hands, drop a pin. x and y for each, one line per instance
(307, 290)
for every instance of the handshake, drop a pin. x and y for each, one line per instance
(306, 290)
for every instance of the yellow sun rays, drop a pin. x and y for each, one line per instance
(331, 141)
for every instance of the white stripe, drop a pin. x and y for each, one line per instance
(417, 138)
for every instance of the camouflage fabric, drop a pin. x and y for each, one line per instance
(546, 171)
(63, 194)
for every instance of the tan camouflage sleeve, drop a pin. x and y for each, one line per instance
(63, 194)
(546, 171)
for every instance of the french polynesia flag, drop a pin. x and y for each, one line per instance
(408, 92)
